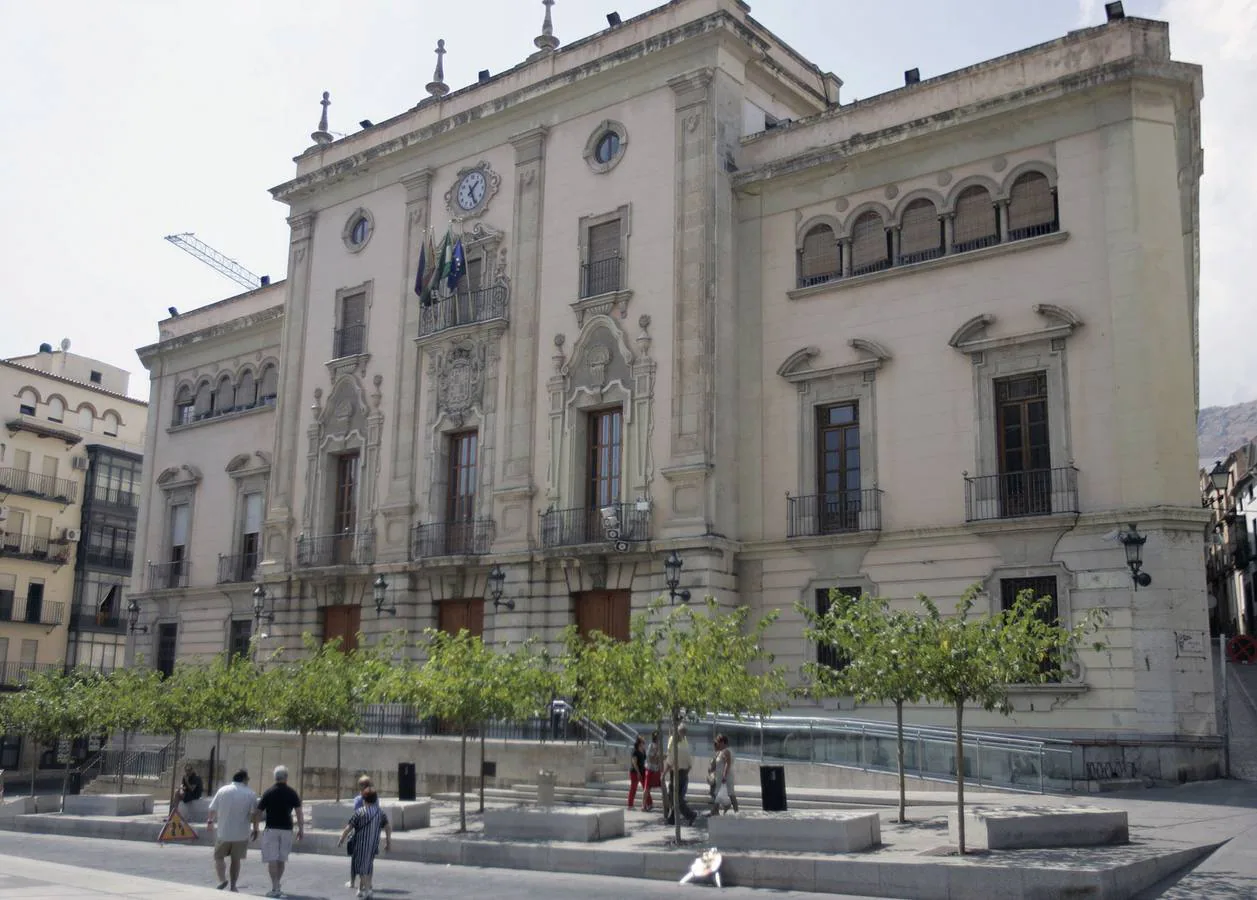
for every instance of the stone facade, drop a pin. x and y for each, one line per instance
(685, 251)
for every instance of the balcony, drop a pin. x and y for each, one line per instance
(108, 559)
(96, 621)
(17, 674)
(39, 549)
(843, 512)
(237, 568)
(349, 340)
(469, 308)
(115, 496)
(32, 611)
(168, 576)
(574, 527)
(600, 277)
(32, 484)
(472, 538)
(348, 548)
(1015, 495)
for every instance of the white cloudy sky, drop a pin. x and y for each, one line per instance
(125, 121)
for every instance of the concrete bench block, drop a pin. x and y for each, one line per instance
(1025, 828)
(17, 806)
(410, 815)
(109, 805)
(811, 832)
(195, 811)
(554, 824)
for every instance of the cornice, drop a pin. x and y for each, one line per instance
(213, 332)
(61, 379)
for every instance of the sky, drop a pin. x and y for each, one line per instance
(126, 121)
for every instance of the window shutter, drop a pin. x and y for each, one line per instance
(868, 242)
(252, 513)
(353, 310)
(919, 232)
(975, 225)
(1030, 202)
(604, 241)
(820, 255)
(179, 525)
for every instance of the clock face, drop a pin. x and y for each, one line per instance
(471, 190)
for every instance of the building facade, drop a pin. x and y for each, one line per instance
(710, 309)
(1227, 491)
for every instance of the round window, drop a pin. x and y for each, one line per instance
(360, 231)
(608, 147)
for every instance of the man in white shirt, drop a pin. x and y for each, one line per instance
(234, 811)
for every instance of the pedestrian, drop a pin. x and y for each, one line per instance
(365, 826)
(679, 761)
(722, 772)
(233, 816)
(364, 783)
(190, 786)
(637, 772)
(278, 803)
(654, 764)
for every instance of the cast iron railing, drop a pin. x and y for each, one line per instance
(237, 567)
(1029, 231)
(115, 496)
(810, 280)
(29, 546)
(348, 548)
(32, 612)
(96, 621)
(613, 523)
(349, 340)
(33, 484)
(1011, 495)
(834, 513)
(168, 575)
(471, 538)
(16, 674)
(601, 276)
(470, 307)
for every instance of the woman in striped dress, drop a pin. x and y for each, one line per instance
(365, 826)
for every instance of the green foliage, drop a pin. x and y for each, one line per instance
(179, 705)
(465, 682)
(53, 705)
(313, 692)
(126, 699)
(231, 688)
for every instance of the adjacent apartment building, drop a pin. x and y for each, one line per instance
(712, 313)
(1227, 491)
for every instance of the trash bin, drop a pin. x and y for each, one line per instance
(74, 785)
(545, 788)
(406, 781)
(772, 787)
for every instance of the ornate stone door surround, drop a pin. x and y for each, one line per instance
(344, 424)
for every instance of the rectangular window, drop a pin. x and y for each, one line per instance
(180, 519)
(250, 535)
(605, 457)
(345, 503)
(167, 647)
(1044, 586)
(351, 326)
(838, 467)
(241, 633)
(13, 530)
(94, 377)
(602, 262)
(828, 656)
(30, 652)
(6, 604)
(461, 499)
(1025, 459)
(35, 602)
(22, 460)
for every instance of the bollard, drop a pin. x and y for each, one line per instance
(545, 788)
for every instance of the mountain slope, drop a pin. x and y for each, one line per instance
(1222, 429)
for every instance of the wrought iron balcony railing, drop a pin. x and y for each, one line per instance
(618, 522)
(109, 559)
(237, 568)
(115, 496)
(168, 576)
(33, 611)
(601, 276)
(822, 278)
(1029, 231)
(471, 538)
(17, 674)
(349, 340)
(349, 548)
(39, 549)
(467, 308)
(839, 512)
(32, 484)
(1012, 495)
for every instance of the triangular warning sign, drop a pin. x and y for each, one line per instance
(176, 829)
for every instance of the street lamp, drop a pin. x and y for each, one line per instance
(1134, 542)
(379, 591)
(133, 617)
(259, 612)
(672, 578)
(497, 578)
(1219, 480)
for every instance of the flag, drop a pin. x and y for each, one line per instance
(423, 265)
(429, 272)
(441, 265)
(458, 266)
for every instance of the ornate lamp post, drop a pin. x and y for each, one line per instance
(133, 617)
(1134, 542)
(672, 578)
(379, 592)
(497, 579)
(260, 614)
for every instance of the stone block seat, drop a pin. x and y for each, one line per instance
(806, 832)
(195, 811)
(408, 815)
(109, 805)
(575, 823)
(1025, 828)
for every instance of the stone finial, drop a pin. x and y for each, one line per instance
(644, 339)
(323, 136)
(546, 42)
(559, 357)
(437, 86)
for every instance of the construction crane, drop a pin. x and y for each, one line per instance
(189, 243)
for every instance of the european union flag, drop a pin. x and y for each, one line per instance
(458, 266)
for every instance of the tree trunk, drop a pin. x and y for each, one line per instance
(218, 759)
(676, 777)
(174, 771)
(65, 781)
(903, 816)
(301, 766)
(35, 748)
(122, 761)
(462, 785)
(338, 734)
(960, 777)
(482, 768)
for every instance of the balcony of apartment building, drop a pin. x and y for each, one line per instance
(237, 568)
(33, 484)
(344, 548)
(620, 524)
(97, 620)
(1021, 493)
(32, 609)
(112, 558)
(465, 306)
(471, 537)
(836, 512)
(168, 576)
(116, 496)
(16, 675)
(34, 547)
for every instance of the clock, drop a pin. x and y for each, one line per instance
(471, 192)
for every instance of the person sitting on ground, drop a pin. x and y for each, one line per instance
(365, 825)
(190, 787)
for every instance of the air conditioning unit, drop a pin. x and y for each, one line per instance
(80, 463)
(72, 534)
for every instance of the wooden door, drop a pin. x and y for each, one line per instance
(1025, 459)
(342, 622)
(455, 615)
(605, 611)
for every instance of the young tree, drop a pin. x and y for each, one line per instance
(128, 701)
(975, 660)
(884, 655)
(685, 661)
(232, 699)
(179, 707)
(52, 706)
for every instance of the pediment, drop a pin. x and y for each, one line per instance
(972, 330)
(179, 476)
(797, 367)
(972, 337)
(248, 462)
(600, 356)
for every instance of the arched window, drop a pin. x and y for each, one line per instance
(86, 418)
(247, 392)
(224, 395)
(204, 404)
(920, 232)
(820, 258)
(111, 424)
(56, 409)
(26, 402)
(1031, 207)
(268, 386)
(183, 406)
(870, 246)
(977, 220)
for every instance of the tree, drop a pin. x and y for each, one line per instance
(128, 697)
(975, 660)
(179, 707)
(885, 655)
(232, 699)
(52, 706)
(683, 662)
